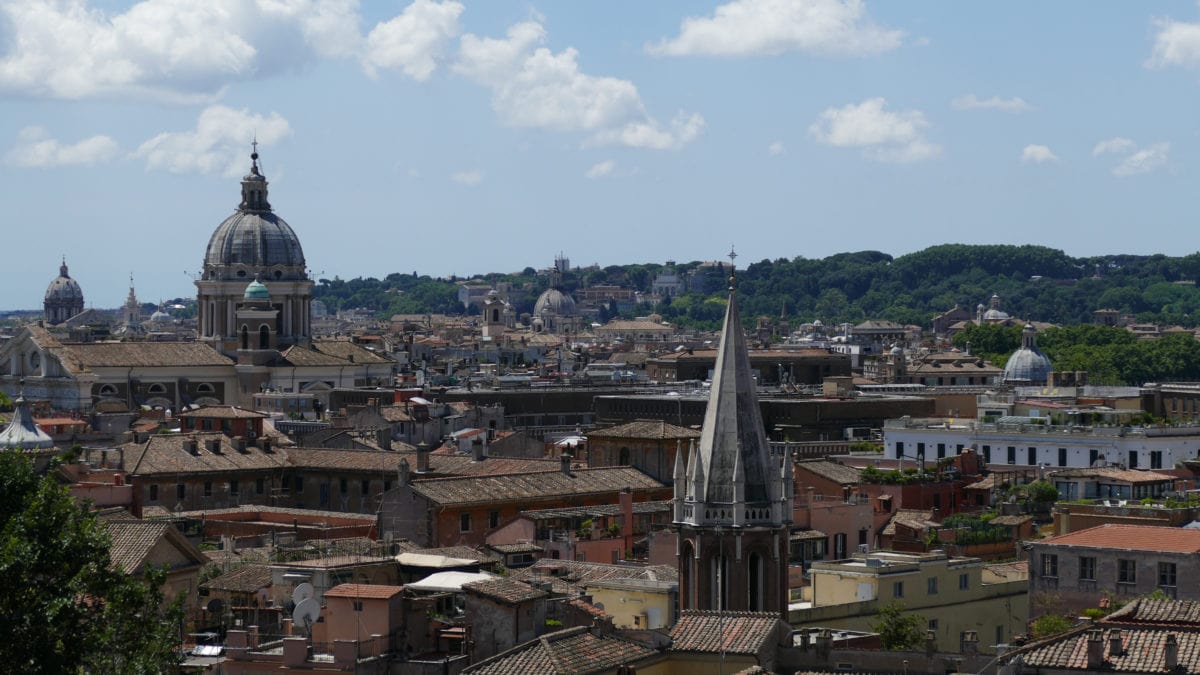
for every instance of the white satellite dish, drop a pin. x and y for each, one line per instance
(302, 592)
(306, 613)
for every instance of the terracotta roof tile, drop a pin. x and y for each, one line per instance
(832, 471)
(574, 651)
(222, 412)
(363, 591)
(132, 542)
(732, 632)
(247, 578)
(646, 429)
(508, 591)
(144, 355)
(1132, 537)
(531, 485)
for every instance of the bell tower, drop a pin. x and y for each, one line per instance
(733, 496)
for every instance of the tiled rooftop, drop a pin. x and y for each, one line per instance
(832, 471)
(533, 485)
(508, 591)
(367, 591)
(731, 632)
(574, 651)
(645, 429)
(1132, 537)
(247, 578)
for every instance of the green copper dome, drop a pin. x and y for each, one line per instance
(256, 290)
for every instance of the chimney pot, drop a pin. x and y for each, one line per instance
(564, 462)
(1171, 652)
(1095, 649)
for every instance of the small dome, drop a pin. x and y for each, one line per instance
(160, 316)
(555, 302)
(256, 290)
(64, 287)
(996, 315)
(1027, 365)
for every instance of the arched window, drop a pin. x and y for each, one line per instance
(495, 316)
(687, 576)
(245, 337)
(107, 390)
(264, 337)
(205, 388)
(157, 388)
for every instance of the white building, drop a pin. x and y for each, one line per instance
(1026, 441)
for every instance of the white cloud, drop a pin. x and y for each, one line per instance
(218, 144)
(168, 50)
(471, 177)
(771, 27)
(601, 169)
(775, 149)
(1037, 154)
(36, 149)
(533, 87)
(1015, 104)
(1144, 160)
(415, 41)
(1176, 44)
(1114, 145)
(884, 136)
(1134, 159)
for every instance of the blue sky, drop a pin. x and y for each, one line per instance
(454, 138)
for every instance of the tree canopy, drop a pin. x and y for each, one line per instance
(897, 630)
(63, 607)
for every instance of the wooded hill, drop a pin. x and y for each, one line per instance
(1034, 282)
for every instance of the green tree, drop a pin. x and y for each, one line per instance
(897, 630)
(63, 607)
(1050, 624)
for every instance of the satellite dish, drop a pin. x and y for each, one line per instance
(215, 606)
(306, 613)
(303, 592)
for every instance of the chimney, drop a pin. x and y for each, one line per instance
(626, 500)
(265, 442)
(1170, 653)
(477, 448)
(564, 463)
(239, 444)
(930, 643)
(1115, 648)
(384, 437)
(824, 644)
(118, 479)
(1095, 649)
(422, 457)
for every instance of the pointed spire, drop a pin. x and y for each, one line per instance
(22, 432)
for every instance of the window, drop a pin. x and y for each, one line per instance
(899, 449)
(941, 450)
(156, 388)
(208, 488)
(1093, 455)
(1166, 574)
(493, 519)
(260, 486)
(464, 522)
(964, 581)
(298, 484)
(1156, 459)
(1126, 572)
(1049, 565)
(931, 586)
(344, 486)
(1087, 568)
(933, 624)
(1062, 456)
(862, 537)
(153, 493)
(387, 485)
(365, 489)
(234, 488)
(180, 490)
(898, 589)
(987, 454)
(1133, 459)
(921, 451)
(1012, 455)
(1032, 456)
(357, 605)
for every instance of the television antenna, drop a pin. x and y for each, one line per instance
(306, 613)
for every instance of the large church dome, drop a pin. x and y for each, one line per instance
(254, 240)
(555, 302)
(64, 288)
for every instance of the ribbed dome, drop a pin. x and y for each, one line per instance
(254, 237)
(1027, 365)
(64, 287)
(555, 302)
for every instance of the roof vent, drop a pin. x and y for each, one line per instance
(192, 446)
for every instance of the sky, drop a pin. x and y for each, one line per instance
(461, 138)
